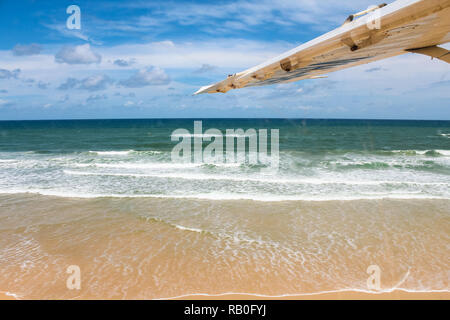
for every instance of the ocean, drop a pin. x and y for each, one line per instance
(105, 195)
(319, 160)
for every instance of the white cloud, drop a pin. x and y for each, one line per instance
(70, 83)
(91, 83)
(96, 97)
(130, 103)
(123, 62)
(62, 29)
(81, 54)
(304, 108)
(150, 76)
(232, 16)
(96, 82)
(223, 53)
(205, 68)
(27, 50)
(43, 85)
(6, 74)
(64, 98)
(5, 103)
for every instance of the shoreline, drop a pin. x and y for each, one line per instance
(8, 296)
(222, 250)
(397, 294)
(206, 197)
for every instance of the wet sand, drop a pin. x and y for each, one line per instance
(344, 295)
(140, 248)
(4, 296)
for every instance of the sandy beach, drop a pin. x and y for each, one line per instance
(5, 296)
(345, 295)
(145, 248)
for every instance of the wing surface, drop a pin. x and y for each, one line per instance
(386, 31)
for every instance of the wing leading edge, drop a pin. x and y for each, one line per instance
(403, 26)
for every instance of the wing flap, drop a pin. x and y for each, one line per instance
(434, 52)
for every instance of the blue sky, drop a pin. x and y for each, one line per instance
(144, 59)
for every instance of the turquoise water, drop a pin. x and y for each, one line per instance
(319, 160)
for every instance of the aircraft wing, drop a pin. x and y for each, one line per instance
(384, 31)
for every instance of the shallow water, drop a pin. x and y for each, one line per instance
(156, 248)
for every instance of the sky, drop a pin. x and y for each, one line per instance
(145, 59)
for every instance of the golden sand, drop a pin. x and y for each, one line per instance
(345, 295)
(161, 248)
(4, 296)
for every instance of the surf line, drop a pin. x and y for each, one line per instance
(191, 147)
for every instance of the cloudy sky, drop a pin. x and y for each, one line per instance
(144, 59)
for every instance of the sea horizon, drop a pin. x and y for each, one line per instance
(228, 118)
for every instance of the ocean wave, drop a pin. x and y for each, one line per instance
(155, 165)
(189, 229)
(362, 164)
(444, 152)
(202, 176)
(220, 196)
(125, 152)
(387, 166)
(423, 152)
(40, 152)
(112, 153)
(177, 226)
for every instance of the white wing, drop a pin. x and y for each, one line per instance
(387, 30)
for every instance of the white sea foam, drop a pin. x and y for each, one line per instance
(225, 196)
(300, 177)
(301, 294)
(154, 165)
(188, 229)
(201, 176)
(112, 153)
(423, 152)
(279, 198)
(444, 152)
(15, 296)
